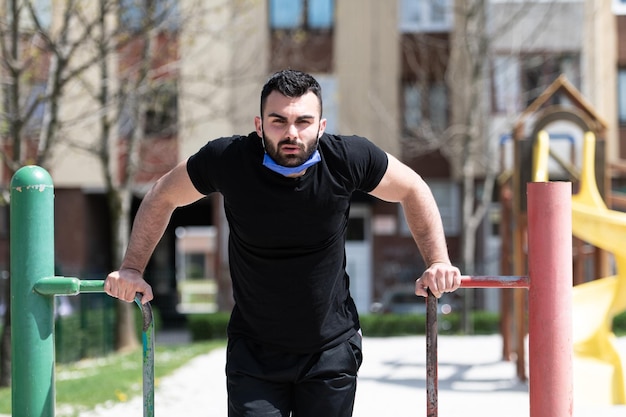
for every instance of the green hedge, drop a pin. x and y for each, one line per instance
(619, 324)
(483, 323)
(381, 325)
(87, 333)
(213, 326)
(208, 326)
(90, 331)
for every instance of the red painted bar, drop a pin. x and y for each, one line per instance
(494, 281)
(550, 299)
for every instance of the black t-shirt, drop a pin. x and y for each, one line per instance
(287, 237)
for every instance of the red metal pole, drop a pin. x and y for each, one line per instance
(494, 281)
(550, 298)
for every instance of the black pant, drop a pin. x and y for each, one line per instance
(266, 382)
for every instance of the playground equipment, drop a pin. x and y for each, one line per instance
(596, 303)
(562, 111)
(549, 285)
(33, 287)
(598, 367)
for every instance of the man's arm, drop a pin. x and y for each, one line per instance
(403, 185)
(173, 190)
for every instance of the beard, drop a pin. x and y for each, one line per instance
(289, 160)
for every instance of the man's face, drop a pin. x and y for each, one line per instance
(290, 127)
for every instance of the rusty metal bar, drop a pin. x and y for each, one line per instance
(431, 356)
(432, 384)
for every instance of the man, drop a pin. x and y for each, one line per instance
(294, 336)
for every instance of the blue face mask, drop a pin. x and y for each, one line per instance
(268, 162)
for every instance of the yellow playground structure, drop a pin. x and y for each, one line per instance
(598, 366)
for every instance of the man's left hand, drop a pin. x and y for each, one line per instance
(440, 277)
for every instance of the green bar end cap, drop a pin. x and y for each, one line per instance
(31, 177)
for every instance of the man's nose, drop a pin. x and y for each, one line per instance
(292, 131)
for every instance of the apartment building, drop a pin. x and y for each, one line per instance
(385, 70)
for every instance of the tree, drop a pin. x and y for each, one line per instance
(43, 51)
(129, 90)
(36, 65)
(462, 66)
(134, 91)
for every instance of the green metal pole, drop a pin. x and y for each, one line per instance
(32, 315)
(68, 286)
(147, 337)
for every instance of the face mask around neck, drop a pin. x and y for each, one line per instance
(269, 163)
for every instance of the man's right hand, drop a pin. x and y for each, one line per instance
(126, 283)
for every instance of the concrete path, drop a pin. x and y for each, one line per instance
(473, 381)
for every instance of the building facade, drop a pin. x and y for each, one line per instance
(388, 72)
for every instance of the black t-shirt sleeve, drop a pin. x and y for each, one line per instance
(198, 168)
(368, 163)
(204, 167)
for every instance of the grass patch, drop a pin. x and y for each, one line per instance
(82, 385)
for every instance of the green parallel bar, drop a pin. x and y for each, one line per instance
(33, 287)
(147, 337)
(91, 285)
(58, 286)
(32, 316)
(68, 286)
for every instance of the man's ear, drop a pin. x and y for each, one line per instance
(258, 125)
(322, 128)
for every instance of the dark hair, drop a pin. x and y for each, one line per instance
(291, 83)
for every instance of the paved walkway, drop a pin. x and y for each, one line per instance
(473, 381)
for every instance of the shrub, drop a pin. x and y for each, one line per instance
(214, 325)
(208, 326)
(619, 324)
(382, 325)
(90, 330)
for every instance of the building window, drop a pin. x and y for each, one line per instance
(506, 85)
(36, 106)
(438, 105)
(329, 101)
(621, 95)
(519, 80)
(425, 15)
(137, 15)
(161, 114)
(425, 106)
(619, 7)
(42, 10)
(412, 108)
(301, 14)
(539, 71)
(32, 106)
(162, 111)
(301, 35)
